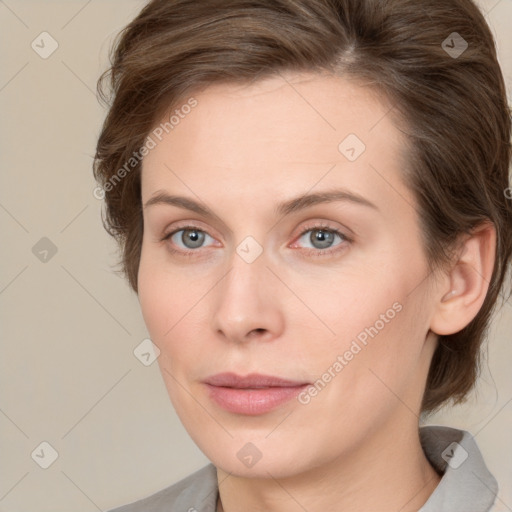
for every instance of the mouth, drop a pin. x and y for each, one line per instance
(252, 394)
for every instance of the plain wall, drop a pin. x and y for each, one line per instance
(70, 324)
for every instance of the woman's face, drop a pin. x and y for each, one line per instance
(330, 295)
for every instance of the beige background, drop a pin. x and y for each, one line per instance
(69, 325)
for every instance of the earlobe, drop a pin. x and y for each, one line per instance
(467, 282)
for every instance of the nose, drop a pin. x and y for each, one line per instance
(247, 303)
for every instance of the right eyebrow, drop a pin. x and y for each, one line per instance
(179, 201)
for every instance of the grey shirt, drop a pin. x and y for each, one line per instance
(466, 484)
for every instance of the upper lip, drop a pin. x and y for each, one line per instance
(253, 380)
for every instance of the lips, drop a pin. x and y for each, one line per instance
(251, 394)
(251, 381)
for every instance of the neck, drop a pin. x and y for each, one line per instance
(388, 472)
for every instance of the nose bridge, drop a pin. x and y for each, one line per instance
(246, 300)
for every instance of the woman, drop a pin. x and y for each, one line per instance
(313, 206)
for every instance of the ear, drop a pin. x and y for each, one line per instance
(465, 286)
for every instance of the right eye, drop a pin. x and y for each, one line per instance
(191, 238)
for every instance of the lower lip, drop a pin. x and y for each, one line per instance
(252, 401)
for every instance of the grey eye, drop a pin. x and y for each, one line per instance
(320, 238)
(190, 238)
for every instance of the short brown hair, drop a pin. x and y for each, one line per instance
(452, 107)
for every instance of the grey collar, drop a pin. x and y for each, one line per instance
(466, 484)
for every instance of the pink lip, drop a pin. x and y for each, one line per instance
(253, 394)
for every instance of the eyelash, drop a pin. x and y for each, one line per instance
(310, 252)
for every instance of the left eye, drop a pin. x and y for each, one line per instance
(322, 238)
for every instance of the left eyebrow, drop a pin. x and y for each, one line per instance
(282, 209)
(328, 196)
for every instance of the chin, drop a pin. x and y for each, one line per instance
(262, 469)
(253, 457)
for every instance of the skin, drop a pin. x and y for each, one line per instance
(292, 311)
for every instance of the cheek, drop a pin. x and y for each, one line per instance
(160, 296)
(359, 376)
(171, 302)
(347, 305)
(152, 297)
(163, 296)
(374, 328)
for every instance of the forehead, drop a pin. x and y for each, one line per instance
(287, 131)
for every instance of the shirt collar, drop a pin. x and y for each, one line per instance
(466, 483)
